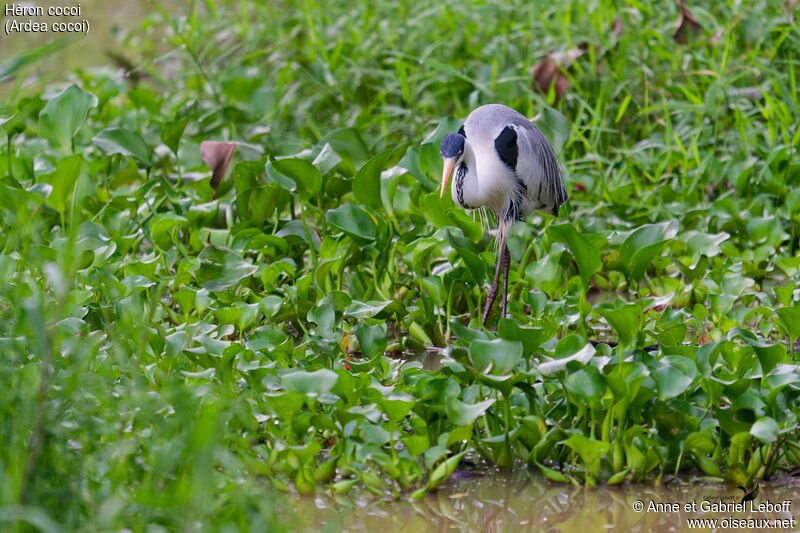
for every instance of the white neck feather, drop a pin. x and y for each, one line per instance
(484, 180)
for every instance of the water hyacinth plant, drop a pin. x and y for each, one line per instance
(185, 326)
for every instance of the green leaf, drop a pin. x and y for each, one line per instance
(64, 115)
(670, 382)
(769, 354)
(396, 406)
(63, 181)
(171, 133)
(343, 486)
(311, 384)
(372, 339)
(307, 177)
(468, 253)
(498, 357)
(463, 414)
(553, 475)
(765, 429)
(554, 126)
(623, 317)
(347, 142)
(160, 227)
(708, 466)
(589, 450)
(699, 443)
(790, 318)
(586, 386)
(546, 273)
(367, 182)
(531, 338)
(373, 309)
(126, 142)
(586, 255)
(736, 475)
(570, 348)
(444, 470)
(355, 221)
(641, 246)
(221, 269)
(327, 159)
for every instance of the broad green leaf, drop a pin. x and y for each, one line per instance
(498, 357)
(736, 475)
(589, 450)
(531, 337)
(396, 406)
(221, 269)
(444, 470)
(347, 142)
(769, 354)
(64, 115)
(307, 177)
(367, 182)
(586, 255)
(310, 383)
(670, 382)
(623, 317)
(570, 348)
(468, 253)
(546, 273)
(343, 486)
(327, 159)
(704, 243)
(641, 246)
(126, 142)
(371, 338)
(765, 429)
(355, 221)
(700, 443)
(462, 414)
(63, 181)
(160, 227)
(554, 126)
(708, 466)
(586, 386)
(373, 309)
(790, 318)
(171, 133)
(445, 126)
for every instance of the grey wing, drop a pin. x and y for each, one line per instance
(539, 169)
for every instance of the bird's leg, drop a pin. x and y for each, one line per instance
(506, 258)
(492, 294)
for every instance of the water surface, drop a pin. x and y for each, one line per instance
(525, 501)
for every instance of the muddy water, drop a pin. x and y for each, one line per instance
(525, 501)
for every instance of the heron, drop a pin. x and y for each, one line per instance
(503, 162)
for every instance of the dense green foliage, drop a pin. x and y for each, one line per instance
(169, 353)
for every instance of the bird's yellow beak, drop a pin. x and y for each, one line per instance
(447, 173)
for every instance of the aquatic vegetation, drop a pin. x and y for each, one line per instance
(170, 346)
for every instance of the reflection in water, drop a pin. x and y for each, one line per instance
(525, 501)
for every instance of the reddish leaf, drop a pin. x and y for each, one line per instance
(217, 155)
(687, 24)
(545, 73)
(616, 29)
(550, 71)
